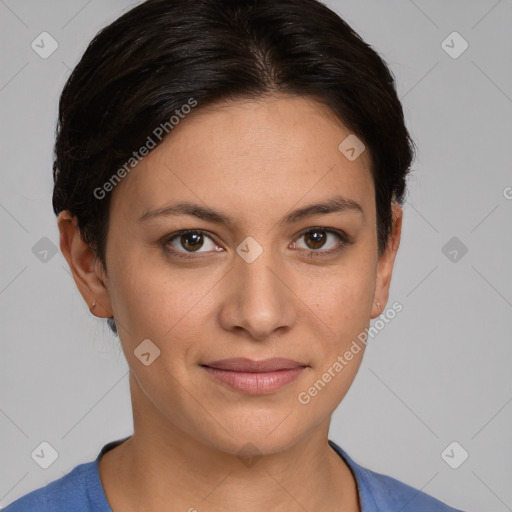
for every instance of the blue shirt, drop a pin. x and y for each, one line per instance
(81, 491)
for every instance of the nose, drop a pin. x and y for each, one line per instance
(258, 298)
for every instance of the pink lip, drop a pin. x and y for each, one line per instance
(241, 364)
(255, 377)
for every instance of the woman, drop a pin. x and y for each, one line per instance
(228, 183)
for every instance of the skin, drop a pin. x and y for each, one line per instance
(255, 161)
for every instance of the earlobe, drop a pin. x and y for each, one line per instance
(84, 266)
(386, 263)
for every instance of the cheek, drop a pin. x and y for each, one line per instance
(343, 298)
(160, 302)
(345, 308)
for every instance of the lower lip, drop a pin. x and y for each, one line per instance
(255, 383)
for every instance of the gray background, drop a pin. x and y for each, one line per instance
(438, 373)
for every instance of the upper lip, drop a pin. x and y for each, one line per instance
(242, 364)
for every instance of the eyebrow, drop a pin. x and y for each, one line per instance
(337, 204)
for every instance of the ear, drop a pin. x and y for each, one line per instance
(87, 270)
(386, 262)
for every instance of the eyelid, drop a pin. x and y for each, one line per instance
(343, 238)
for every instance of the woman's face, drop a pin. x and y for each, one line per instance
(256, 287)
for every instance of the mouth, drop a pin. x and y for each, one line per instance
(241, 364)
(255, 377)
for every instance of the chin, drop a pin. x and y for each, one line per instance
(257, 436)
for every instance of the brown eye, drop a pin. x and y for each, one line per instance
(316, 239)
(189, 242)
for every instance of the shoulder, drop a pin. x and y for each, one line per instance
(71, 492)
(383, 493)
(391, 494)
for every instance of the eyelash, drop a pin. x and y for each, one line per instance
(344, 241)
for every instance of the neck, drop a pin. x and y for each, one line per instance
(162, 468)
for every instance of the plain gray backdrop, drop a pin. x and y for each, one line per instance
(438, 373)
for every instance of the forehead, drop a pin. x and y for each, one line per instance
(251, 154)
